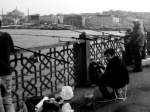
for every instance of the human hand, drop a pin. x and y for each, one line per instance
(16, 50)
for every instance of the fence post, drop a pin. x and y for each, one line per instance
(83, 56)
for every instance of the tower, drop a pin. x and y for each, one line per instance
(28, 15)
(2, 11)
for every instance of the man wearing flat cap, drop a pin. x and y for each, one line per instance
(137, 44)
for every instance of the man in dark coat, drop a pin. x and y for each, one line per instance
(115, 76)
(127, 56)
(6, 47)
(137, 44)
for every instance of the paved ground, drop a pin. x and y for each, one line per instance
(138, 96)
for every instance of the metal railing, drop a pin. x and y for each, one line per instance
(41, 75)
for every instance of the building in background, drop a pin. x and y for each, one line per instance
(101, 21)
(13, 17)
(15, 14)
(45, 20)
(87, 22)
(34, 19)
(74, 20)
(60, 19)
(107, 19)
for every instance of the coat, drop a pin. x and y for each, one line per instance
(138, 37)
(116, 74)
(6, 47)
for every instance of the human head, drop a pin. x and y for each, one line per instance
(136, 23)
(129, 30)
(109, 54)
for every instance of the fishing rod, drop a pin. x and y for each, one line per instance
(69, 30)
(36, 54)
(69, 37)
(56, 37)
(53, 36)
(94, 35)
(108, 40)
(74, 37)
(88, 34)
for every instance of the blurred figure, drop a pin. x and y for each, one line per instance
(145, 44)
(127, 57)
(6, 47)
(137, 44)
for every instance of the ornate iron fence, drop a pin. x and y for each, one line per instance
(46, 75)
(101, 43)
(42, 75)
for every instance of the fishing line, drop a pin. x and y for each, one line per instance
(36, 54)
(69, 30)
(108, 40)
(71, 37)
(66, 37)
(90, 29)
(53, 36)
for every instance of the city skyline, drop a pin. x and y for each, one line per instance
(46, 7)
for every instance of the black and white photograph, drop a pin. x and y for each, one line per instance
(74, 56)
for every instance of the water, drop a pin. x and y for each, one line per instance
(26, 40)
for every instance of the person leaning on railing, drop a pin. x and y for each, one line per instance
(137, 44)
(6, 47)
(127, 57)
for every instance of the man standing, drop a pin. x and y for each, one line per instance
(127, 57)
(115, 76)
(6, 47)
(137, 44)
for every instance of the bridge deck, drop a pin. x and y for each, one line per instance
(138, 96)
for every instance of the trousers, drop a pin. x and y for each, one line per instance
(102, 84)
(137, 55)
(6, 104)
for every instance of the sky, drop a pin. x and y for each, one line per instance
(46, 7)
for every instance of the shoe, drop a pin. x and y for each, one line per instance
(90, 104)
(103, 100)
